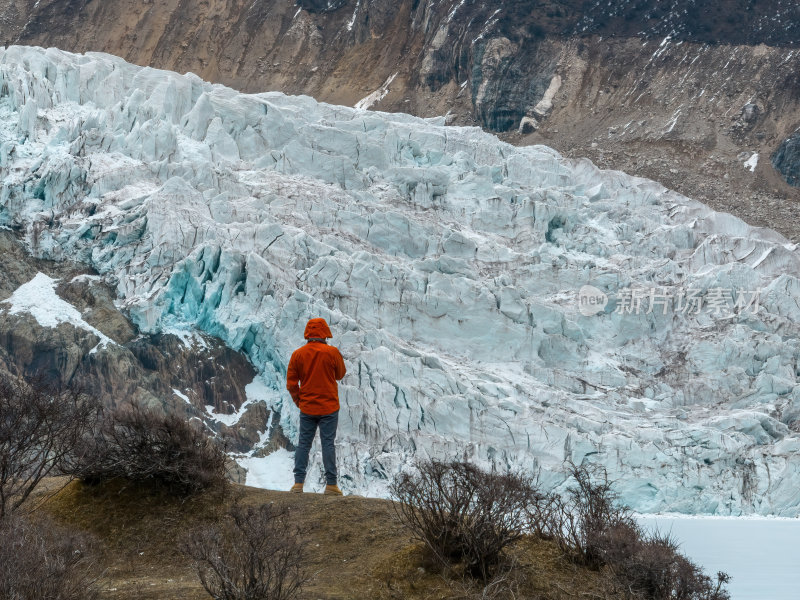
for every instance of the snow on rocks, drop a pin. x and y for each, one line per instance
(38, 298)
(377, 95)
(449, 266)
(751, 162)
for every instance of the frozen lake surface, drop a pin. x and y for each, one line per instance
(760, 554)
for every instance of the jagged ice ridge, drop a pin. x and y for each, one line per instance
(447, 263)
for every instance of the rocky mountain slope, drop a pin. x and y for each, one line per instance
(58, 320)
(449, 265)
(699, 96)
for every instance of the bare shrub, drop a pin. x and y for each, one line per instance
(143, 445)
(466, 515)
(589, 523)
(655, 569)
(255, 554)
(594, 529)
(40, 425)
(40, 560)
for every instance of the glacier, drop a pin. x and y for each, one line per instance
(448, 264)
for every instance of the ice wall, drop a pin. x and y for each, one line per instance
(448, 264)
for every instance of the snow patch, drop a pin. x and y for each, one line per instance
(375, 96)
(672, 122)
(231, 419)
(38, 298)
(271, 472)
(752, 162)
(256, 391)
(182, 396)
(86, 278)
(546, 103)
(190, 338)
(454, 11)
(352, 20)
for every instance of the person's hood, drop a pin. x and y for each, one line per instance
(317, 328)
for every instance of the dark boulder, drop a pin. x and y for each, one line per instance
(787, 159)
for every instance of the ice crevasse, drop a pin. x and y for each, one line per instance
(448, 264)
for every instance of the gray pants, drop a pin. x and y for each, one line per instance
(327, 435)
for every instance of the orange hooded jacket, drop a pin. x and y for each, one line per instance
(316, 367)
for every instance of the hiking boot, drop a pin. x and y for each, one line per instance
(297, 488)
(332, 490)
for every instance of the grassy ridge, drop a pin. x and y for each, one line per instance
(357, 547)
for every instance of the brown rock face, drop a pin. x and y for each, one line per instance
(208, 377)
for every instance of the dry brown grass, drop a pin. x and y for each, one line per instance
(357, 548)
(541, 572)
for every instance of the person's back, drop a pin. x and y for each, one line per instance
(311, 380)
(318, 367)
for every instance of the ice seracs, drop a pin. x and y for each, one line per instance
(448, 264)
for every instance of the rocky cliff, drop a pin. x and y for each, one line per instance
(699, 96)
(58, 320)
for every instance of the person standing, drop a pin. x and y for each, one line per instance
(311, 380)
